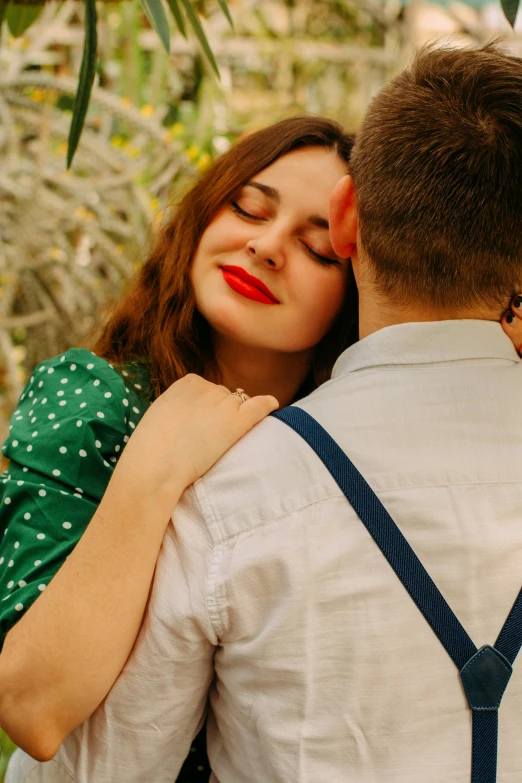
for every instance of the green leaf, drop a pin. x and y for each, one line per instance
(510, 8)
(176, 13)
(196, 26)
(156, 14)
(3, 7)
(87, 71)
(224, 7)
(20, 17)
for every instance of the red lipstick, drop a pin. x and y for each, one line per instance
(248, 286)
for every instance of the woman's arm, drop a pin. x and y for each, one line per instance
(61, 659)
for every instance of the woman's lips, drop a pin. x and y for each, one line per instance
(250, 287)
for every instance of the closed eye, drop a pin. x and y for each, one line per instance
(235, 206)
(324, 260)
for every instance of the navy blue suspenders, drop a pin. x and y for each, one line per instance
(484, 672)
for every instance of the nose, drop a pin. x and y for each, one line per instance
(268, 249)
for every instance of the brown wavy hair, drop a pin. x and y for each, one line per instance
(156, 323)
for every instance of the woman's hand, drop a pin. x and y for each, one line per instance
(184, 432)
(512, 323)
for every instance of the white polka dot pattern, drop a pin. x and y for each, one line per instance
(76, 439)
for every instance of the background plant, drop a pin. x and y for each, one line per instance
(21, 14)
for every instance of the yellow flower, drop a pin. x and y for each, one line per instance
(131, 150)
(147, 110)
(83, 214)
(177, 129)
(57, 254)
(204, 162)
(117, 141)
(193, 153)
(39, 95)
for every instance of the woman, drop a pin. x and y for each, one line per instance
(242, 288)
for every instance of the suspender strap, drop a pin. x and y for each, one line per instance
(509, 639)
(485, 672)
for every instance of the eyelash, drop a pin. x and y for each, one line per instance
(324, 260)
(235, 206)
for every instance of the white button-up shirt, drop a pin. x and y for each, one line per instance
(271, 598)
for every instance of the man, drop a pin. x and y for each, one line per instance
(270, 595)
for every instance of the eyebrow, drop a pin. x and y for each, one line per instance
(274, 195)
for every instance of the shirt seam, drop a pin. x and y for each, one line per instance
(212, 600)
(340, 494)
(432, 365)
(284, 514)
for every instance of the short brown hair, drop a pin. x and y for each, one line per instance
(437, 171)
(157, 323)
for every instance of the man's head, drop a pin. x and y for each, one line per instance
(437, 175)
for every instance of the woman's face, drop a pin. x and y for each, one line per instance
(265, 274)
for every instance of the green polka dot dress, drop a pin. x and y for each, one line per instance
(72, 422)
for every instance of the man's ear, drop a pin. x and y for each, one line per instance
(343, 218)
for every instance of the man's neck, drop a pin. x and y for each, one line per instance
(377, 312)
(260, 371)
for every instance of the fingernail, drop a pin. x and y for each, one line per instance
(510, 318)
(518, 301)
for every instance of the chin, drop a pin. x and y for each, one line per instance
(256, 340)
(241, 323)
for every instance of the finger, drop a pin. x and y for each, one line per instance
(257, 408)
(237, 399)
(233, 394)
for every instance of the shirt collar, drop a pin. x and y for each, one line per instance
(427, 343)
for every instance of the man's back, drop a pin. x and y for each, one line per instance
(327, 671)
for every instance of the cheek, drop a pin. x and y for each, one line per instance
(202, 267)
(317, 301)
(323, 299)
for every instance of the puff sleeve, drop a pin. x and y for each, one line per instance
(72, 422)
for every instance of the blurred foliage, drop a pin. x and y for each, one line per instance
(6, 749)
(20, 15)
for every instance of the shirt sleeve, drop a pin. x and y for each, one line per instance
(144, 729)
(72, 422)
